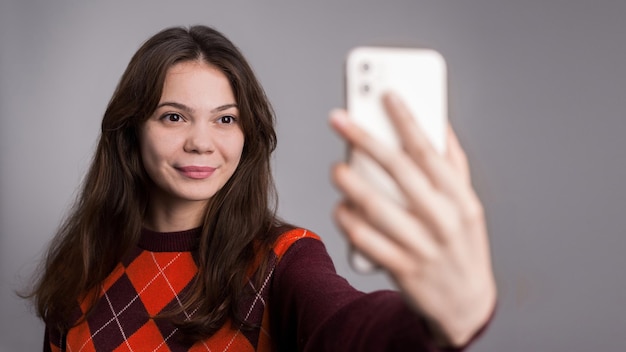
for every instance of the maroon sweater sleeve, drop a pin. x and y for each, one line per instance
(312, 308)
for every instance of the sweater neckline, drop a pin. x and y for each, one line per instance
(178, 241)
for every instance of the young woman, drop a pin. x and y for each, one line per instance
(174, 243)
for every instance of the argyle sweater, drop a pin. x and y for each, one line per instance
(302, 305)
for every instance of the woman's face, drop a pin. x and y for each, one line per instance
(192, 143)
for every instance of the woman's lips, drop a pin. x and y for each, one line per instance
(196, 172)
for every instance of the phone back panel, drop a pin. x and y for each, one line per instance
(417, 75)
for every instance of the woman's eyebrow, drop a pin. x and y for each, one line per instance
(190, 110)
(224, 107)
(176, 105)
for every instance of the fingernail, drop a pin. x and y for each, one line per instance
(392, 97)
(342, 214)
(338, 117)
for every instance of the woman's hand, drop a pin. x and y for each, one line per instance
(436, 249)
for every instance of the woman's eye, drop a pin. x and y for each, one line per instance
(227, 119)
(172, 117)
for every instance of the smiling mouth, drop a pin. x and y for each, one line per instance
(196, 172)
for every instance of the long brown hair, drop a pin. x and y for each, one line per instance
(106, 220)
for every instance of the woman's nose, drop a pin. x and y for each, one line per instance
(199, 140)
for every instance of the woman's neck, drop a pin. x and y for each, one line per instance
(174, 216)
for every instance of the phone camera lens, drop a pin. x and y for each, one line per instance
(365, 88)
(365, 67)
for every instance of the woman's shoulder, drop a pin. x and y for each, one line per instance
(290, 236)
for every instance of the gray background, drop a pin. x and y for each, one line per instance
(537, 95)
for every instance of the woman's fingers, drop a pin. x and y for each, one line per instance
(416, 187)
(448, 173)
(415, 141)
(412, 137)
(383, 214)
(369, 241)
(436, 248)
(436, 165)
(457, 156)
(412, 181)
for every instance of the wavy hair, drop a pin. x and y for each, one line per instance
(106, 220)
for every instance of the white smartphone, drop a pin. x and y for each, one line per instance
(419, 77)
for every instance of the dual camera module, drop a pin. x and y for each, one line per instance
(365, 86)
